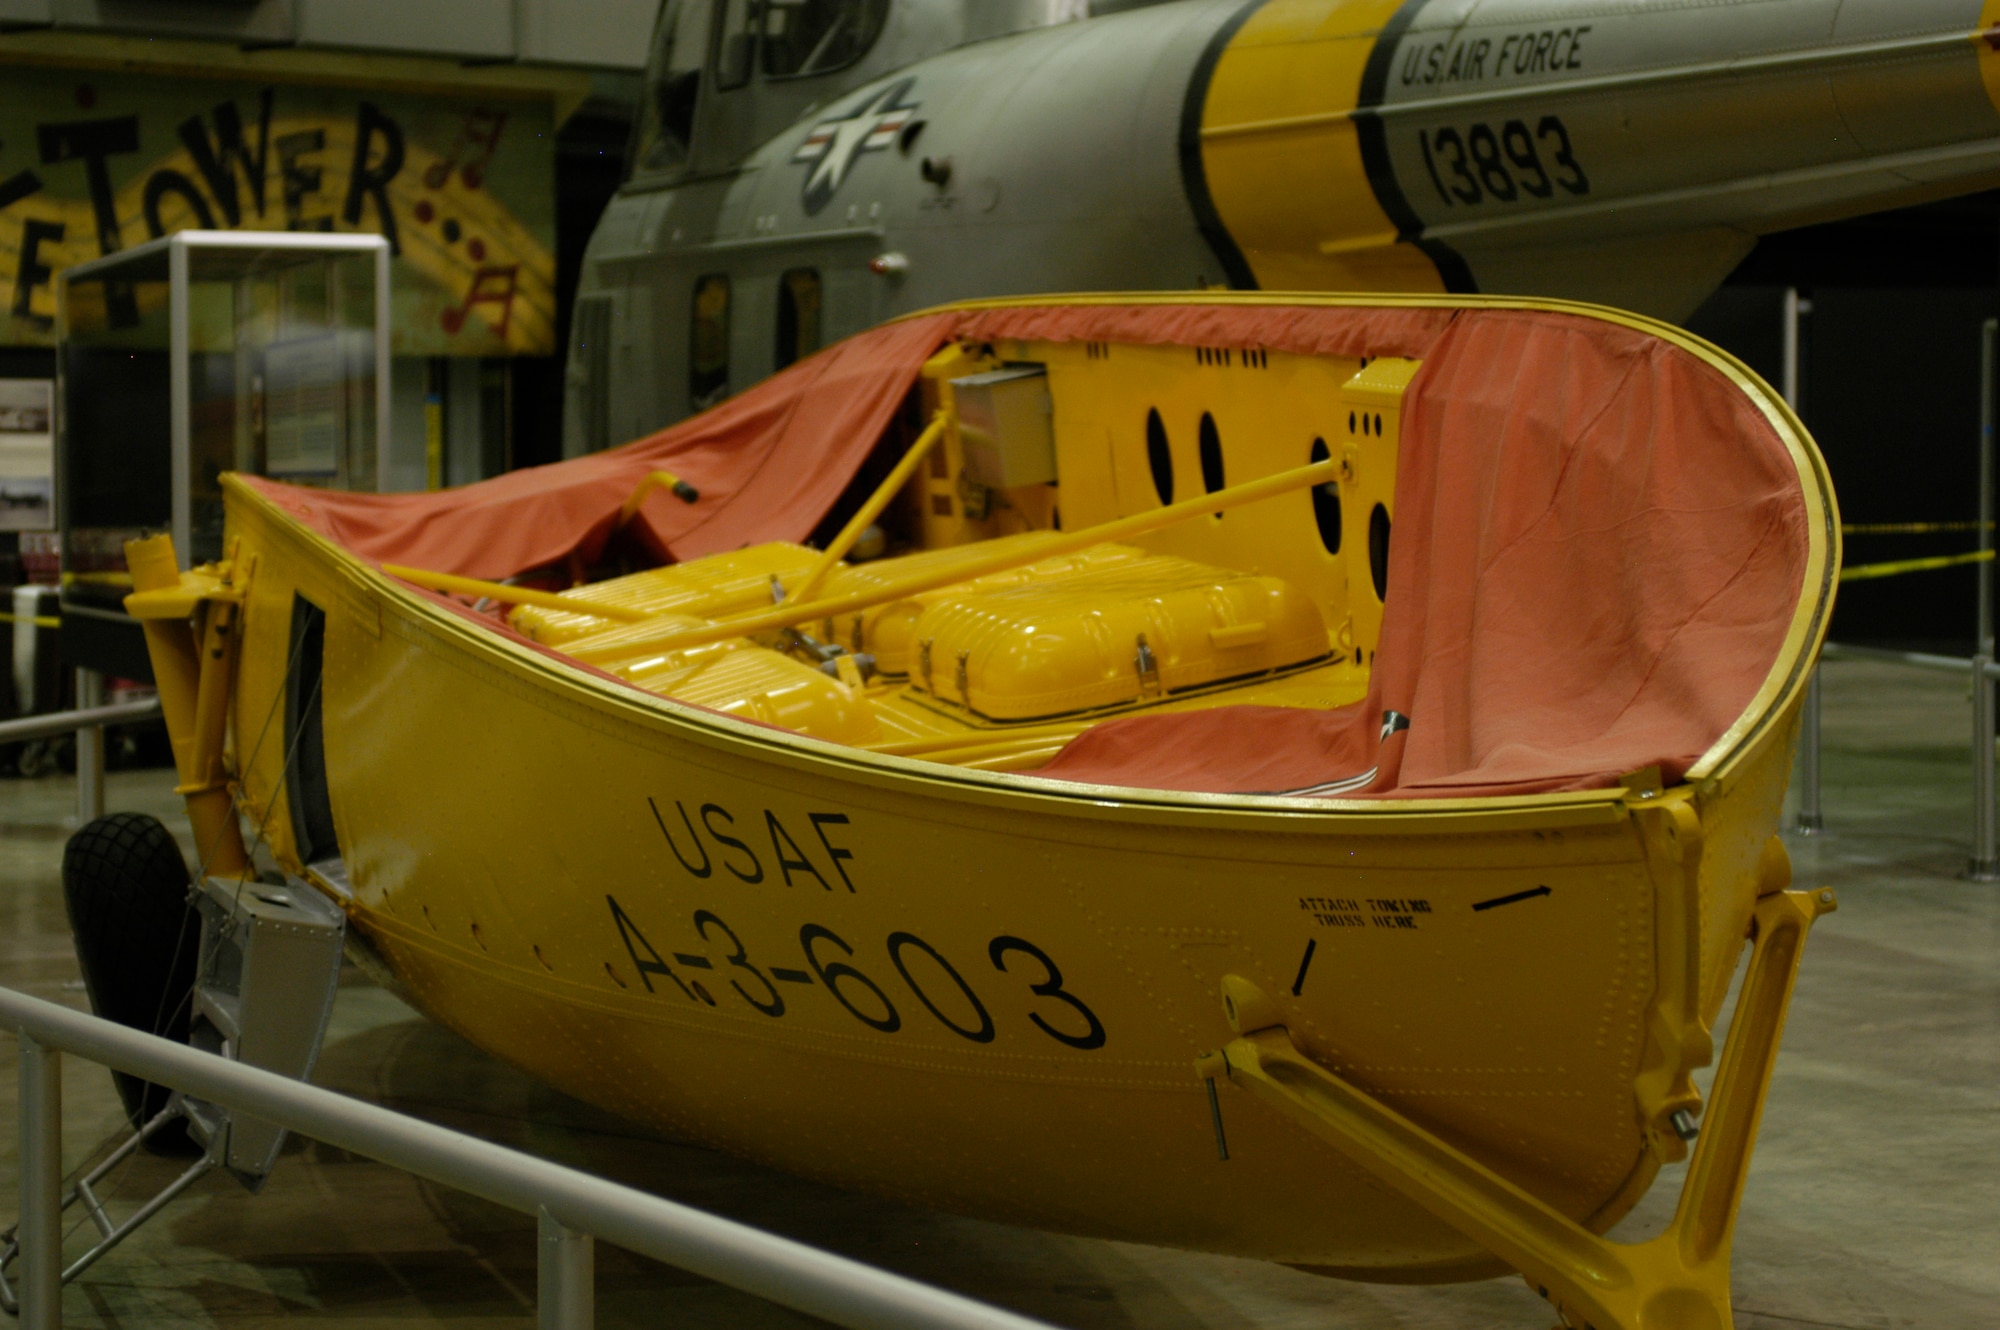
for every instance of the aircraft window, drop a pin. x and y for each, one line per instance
(736, 54)
(708, 343)
(805, 37)
(673, 83)
(798, 316)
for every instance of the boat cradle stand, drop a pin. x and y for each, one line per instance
(1678, 1280)
(268, 964)
(265, 978)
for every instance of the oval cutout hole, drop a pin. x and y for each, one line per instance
(1326, 503)
(1211, 455)
(1378, 551)
(1160, 457)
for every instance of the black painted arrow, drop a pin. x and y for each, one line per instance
(1498, 901)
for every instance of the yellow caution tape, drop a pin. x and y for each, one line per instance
(1906, 528)
(39, 620)
(1863, 572)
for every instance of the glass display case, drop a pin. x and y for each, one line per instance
(196, 354)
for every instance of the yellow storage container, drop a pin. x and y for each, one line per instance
(739, 678)
(883, 631)
(1126, 632)
(714, 587)
(662, 671)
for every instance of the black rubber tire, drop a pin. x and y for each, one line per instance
(138, 940)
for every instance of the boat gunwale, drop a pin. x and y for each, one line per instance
(1474, 814)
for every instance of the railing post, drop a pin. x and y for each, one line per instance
(89, 750)
(41, 1186)
(1811, 820)
(1984, 865)
(566, 1276)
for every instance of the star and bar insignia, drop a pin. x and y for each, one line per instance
(833, 145)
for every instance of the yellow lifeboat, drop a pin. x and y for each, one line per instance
(1291, 776)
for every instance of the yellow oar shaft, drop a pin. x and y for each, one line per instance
(1122, 528)
(512, 595)
(870, 510)
(1863, 572)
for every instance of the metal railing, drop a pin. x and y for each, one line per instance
(62, 722)
(1981, 669)
(571, 1208)
(1811, 820)
(88, 722)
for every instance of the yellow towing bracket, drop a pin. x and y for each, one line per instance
(1676, 1281)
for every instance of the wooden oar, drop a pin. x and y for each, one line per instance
(870, 510)
(790, 615)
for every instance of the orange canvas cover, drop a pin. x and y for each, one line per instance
(1599, 544)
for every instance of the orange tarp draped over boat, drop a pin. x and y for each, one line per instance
(1599, 540)
(768, 463)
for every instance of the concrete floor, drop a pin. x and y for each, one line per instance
(1874, 1201)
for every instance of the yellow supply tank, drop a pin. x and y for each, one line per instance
(1111, 636)
(884, 631)
(736, 677)
(711, 588)
(754, 683)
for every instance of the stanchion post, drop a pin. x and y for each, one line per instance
(565, 1276)
(1984, 866)
(89, 750)
(41, 1186)
(1811, 820)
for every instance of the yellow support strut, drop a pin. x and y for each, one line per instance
(887, 490)
(191, 635)
(1676, 1281)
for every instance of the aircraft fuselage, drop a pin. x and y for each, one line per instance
(1627, 153)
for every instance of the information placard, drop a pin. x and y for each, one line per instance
(304, 397)
(27, 455)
